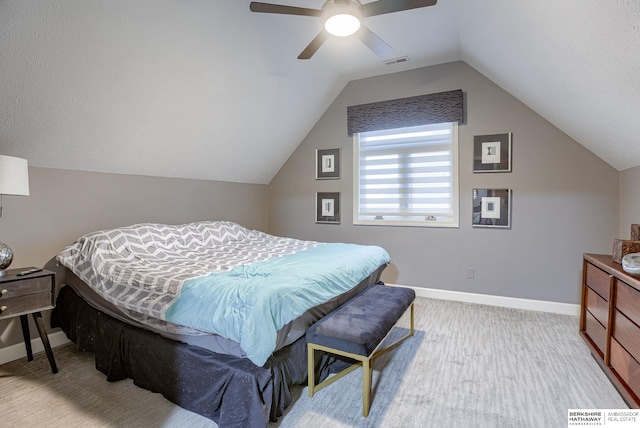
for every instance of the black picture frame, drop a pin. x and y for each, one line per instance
(327, 164)
(492, 208)
(492, 153)
(328, 207)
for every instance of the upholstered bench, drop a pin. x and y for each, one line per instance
(356, 330)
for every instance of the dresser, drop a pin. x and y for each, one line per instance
(23, 294)
(610, 322)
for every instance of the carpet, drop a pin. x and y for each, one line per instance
(467, 366)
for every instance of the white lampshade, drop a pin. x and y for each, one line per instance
(14, 176)
(342, 19)
(14, 180)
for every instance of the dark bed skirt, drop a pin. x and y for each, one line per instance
(231, 391)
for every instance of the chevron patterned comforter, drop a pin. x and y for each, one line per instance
(218, 277)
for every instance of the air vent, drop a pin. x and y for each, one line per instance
(396, 60)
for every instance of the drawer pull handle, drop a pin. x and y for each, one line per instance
(3, 292)
(2, 309)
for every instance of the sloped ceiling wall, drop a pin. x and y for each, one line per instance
(574, 62)
(206, 89)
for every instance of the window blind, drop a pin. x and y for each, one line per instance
(406, 174)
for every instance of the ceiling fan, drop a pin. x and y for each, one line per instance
(343, 18)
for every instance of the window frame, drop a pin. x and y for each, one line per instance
(444, 222)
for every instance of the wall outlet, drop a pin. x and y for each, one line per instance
(471, 273)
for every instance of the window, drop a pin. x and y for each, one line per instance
(407, 176)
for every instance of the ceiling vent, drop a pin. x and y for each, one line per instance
(396, 60)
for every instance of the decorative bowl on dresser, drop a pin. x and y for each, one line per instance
(610, 322)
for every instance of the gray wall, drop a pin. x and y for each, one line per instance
(63, 205)
(565, 199)
(629, 200)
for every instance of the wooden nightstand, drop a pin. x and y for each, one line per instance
(28, 294)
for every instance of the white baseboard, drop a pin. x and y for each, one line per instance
(486, 299)
(17, 351)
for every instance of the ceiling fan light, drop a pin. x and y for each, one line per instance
(342, 25)
(342, 18)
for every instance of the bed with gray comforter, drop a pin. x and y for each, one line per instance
(210, 314)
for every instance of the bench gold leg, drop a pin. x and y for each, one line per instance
(311, 372)
(366, 386)
(411, 332)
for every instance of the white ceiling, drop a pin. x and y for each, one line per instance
(207, 89)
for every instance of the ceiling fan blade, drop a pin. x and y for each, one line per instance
(314, 45)
(373, 42)
(255, 6)
(389, 6)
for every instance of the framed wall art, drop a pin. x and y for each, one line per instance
(492, 153)
(328, 207)
(327, 164)
(492, 208)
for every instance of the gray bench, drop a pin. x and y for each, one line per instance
(356, 330)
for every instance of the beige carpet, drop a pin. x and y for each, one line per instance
(468, 366)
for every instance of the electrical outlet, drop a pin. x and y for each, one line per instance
(471, 272)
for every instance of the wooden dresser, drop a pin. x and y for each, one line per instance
(610, 322)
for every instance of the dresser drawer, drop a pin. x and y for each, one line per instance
(598, 307)
(628, 301)
(626, 367)
(596, 332)
(25, 304)
(598, 280)
(627, 334)
(12, 289)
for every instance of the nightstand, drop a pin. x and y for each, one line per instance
(28, 294)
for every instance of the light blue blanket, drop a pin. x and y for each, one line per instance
(250, 303)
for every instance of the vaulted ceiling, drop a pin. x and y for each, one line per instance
(207, 89)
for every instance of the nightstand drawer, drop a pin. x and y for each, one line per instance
(25, 286)
(25, 304)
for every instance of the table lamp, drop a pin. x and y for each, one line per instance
(14, 180)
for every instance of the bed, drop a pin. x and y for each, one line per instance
(210, 314)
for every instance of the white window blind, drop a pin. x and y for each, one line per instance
(407, 176)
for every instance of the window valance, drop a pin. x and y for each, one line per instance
(412, 111)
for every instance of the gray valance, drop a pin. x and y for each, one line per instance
(412, 111)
